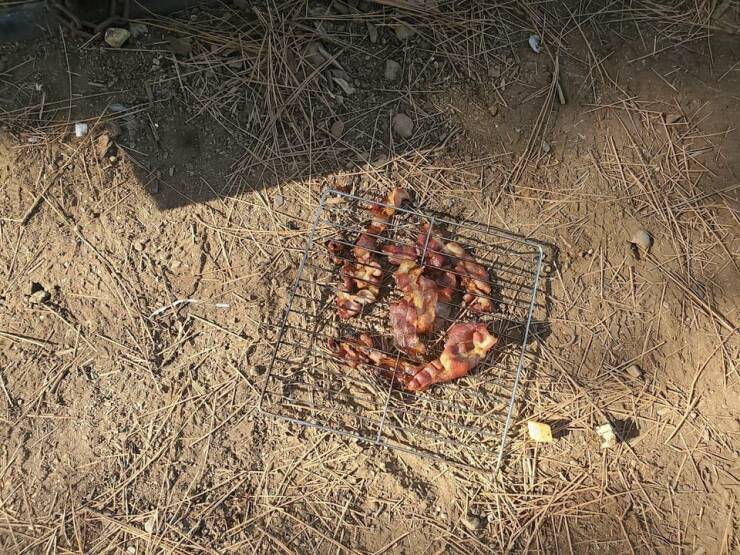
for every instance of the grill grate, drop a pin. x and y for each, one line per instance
(464, 421)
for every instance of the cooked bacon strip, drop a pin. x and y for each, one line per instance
(398, 253)
(420, 291)
(466, 345)
(403, 322)
(394, 199)
(434, 255)
(336, 250)
(360, 287)
(361, 351)
(361, 280)
(473, 277)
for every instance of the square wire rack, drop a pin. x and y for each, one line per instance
(463, 422)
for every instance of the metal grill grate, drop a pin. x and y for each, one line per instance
(464, 421)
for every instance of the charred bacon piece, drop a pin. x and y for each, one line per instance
(405, 336)
(361, 279)
(467, 344)
(360, 287)
(361, 351)
(473, 277)
(398, 253)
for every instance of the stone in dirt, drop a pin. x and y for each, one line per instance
(372, 32)
(337, 129)
(103, 144)
(634, 371)
(402, 125)
(138, 30)
(115, 37)
(180, 46)
(392, 69)
(404, 31)
(38, 295)
(471, 522)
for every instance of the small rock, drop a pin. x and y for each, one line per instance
(539, 431)
(180, 46)
(642, 239)
(380, 161)
(131, 550)
(534, 43)
(81, 129)
(315, 53)
(608, 435)
(663, 411)
(114, 130)
(372, 32)
(278, 201)
(171, 171)
(392, 70)
(40, 296)
(118, 108)
(634, 371)
(404, 31)
(673, 118)
(546, 148)
(138, 30)
(337, 129)
(346, 87)
(102, 145)
(471, 522)
(493, 110)
(402, 125)
(175, 264)
(150, 524)
(139, 246)
(115, 37)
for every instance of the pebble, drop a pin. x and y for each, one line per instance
(337, 129)
(138, 30)
(392, 70)
(149, 524)
(673, 118)
(404, 31)
(139, 246)
(81, 129)
(472, 522)
(131, 550)
(180, 46)
(40, 297)
(634, 371)
(346, 87)
(102, 145)
(402, 125)
(372, 32)
(278, 201)
(115, 37)
(663, 411)
(642, 239)
(314, 53)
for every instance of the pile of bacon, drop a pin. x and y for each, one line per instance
(428, 295)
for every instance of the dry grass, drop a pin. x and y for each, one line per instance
(174, 477)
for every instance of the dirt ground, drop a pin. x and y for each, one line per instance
(146, 265)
